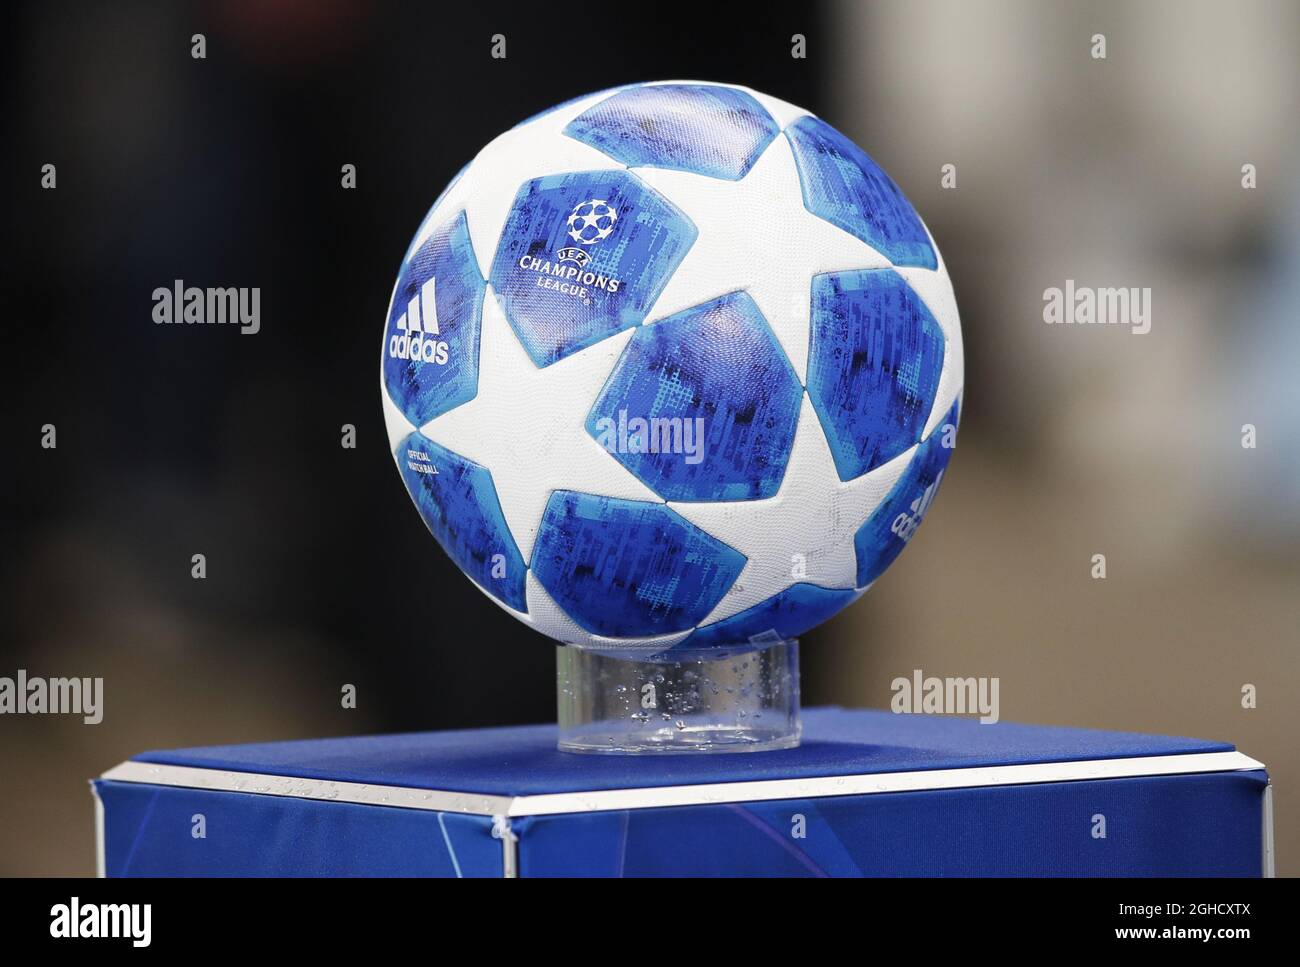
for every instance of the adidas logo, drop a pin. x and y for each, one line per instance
(415, 326)
(905, 525)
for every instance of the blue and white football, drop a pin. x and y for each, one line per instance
(674, 365)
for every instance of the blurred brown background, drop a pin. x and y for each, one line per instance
(1092, 440)
(1075, 440)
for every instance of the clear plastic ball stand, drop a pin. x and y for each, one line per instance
(719, 700)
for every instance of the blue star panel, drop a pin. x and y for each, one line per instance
(883, 537)
(458, 501)
(706, 130)
(567, 280)
(628, 568)
(431, 341)
(433, 208)
(873, 367)
(702, 405)
(844, 186)
(789, 613)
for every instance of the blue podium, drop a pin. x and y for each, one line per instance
(868, 793)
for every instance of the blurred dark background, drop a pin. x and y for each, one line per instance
(177, 440)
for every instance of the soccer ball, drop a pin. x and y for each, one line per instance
(672, 366)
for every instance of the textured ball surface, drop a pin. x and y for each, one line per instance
(674, 365)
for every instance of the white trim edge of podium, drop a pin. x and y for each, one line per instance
(505, 808)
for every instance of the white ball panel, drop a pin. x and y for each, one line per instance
(527, 425)
(783, 112)
(772, 252)
(814, 514)
(395, 421)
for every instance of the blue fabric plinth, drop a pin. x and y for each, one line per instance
(1198, 825)
(524, 761)
(150, 831)
(1189, 824)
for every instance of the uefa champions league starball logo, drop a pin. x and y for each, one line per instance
(591, 222)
